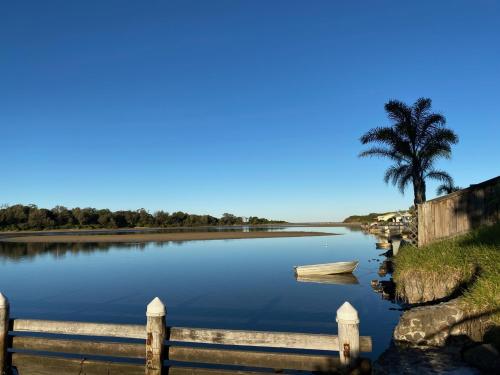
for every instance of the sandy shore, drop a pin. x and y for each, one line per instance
(155, 237)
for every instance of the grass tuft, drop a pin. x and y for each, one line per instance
(472, 260)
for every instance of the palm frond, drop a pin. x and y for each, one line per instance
(381, 152)
(442, 190)
(394, 173)
(399, 175)
(429, 124)
(404, 181)
(432, 152)
(447, 188)
(421, 108)
(383, 134)
(440, 176)
(402, 115)
(397, 111)
(390, 137)
(437, 143)
(433, 120)
(443, 135)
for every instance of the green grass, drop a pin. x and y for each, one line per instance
(473, 258)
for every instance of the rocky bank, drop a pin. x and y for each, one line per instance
(438, 334)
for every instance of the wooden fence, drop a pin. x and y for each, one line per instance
(44, 347)
(459, 212)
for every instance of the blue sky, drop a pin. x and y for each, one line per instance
(249, 107)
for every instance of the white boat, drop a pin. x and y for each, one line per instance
(339, 279)
(326, 268)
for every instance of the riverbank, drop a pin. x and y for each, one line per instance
(54, 237)
(14, 233)
(452, 288)
(465, 267)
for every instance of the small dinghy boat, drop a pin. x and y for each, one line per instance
(326, 268)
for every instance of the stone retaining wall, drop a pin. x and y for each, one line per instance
(433, 325)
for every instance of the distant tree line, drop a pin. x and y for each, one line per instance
(21, 217)
(371, 217)
(363, 218)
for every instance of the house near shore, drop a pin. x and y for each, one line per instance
(395, 217)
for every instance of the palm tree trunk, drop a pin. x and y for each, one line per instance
(418, 190)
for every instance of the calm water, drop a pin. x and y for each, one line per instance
(234, 284)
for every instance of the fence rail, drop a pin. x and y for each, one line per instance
(64, 347)
(130, 331)
(459, 212)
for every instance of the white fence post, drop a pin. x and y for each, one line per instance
(155, 341)
(395, 246)
(348, 324)
(4, 333)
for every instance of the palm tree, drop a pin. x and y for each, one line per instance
(414, 141)
(447, 188)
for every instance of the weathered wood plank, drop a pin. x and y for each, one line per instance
(111, 349)
(462, 209)
(262, 338)
(459, 212)
(433, 221)
(44, 365)
(421, 225)
(451, 212)
(479, 212)
(445, 219)
(131, 331)
(4, 332)
(306, 362)
(177, 370)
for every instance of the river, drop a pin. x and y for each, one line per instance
(233, 284)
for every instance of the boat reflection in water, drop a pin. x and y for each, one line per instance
(340, 279)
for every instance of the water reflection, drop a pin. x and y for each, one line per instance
(22, 250)
(340, 279)
(232, 228)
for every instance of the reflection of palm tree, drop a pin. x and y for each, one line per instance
(415, 140)
(447, 188)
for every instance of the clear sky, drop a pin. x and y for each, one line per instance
(249, 107)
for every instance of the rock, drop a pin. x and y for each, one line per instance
(400, 360)
(420, 288)
(416, 286)
(434, 325)
(387, 264)
(484, 357)
(492, 336)
(387, 254)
